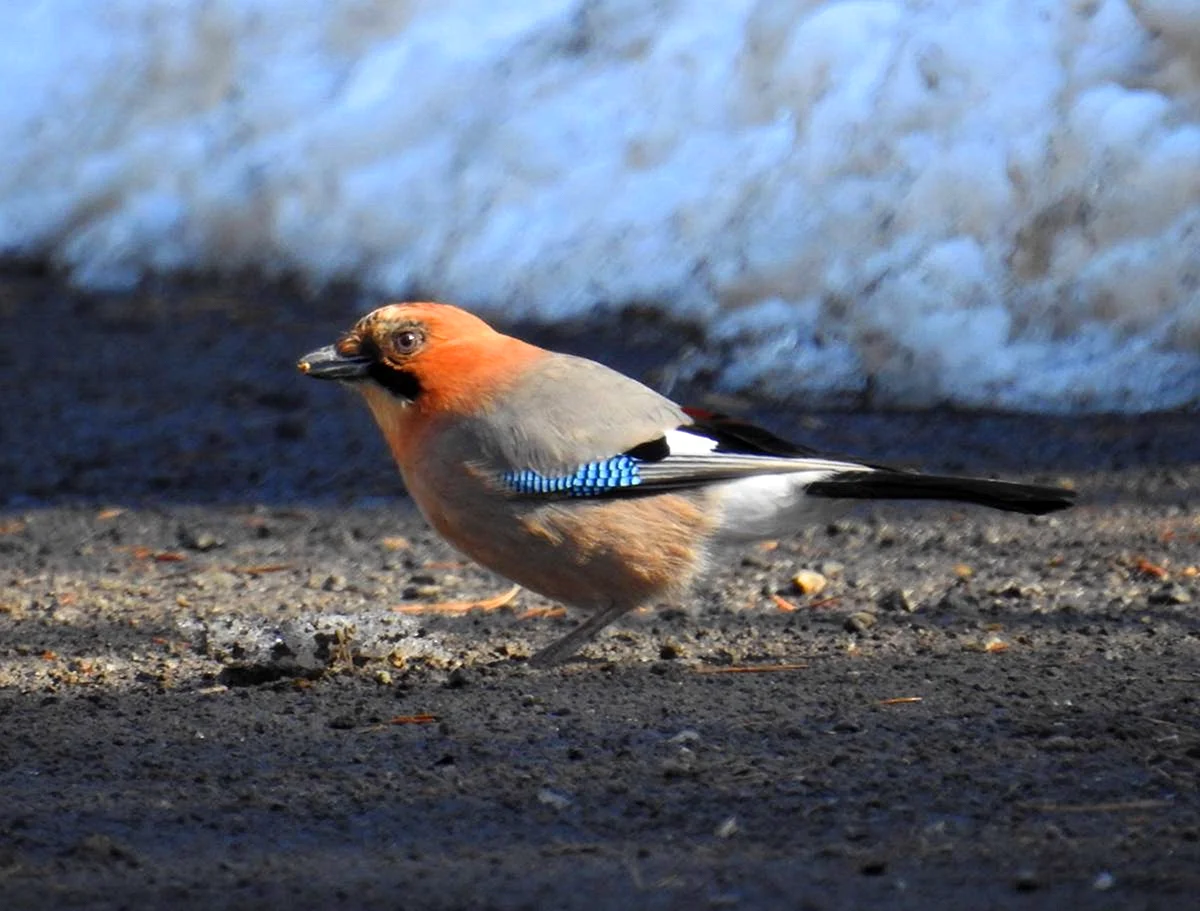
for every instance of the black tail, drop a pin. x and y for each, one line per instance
(898, 485)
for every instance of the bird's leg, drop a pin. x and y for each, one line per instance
(564, 648)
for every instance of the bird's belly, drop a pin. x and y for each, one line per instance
(589, 554)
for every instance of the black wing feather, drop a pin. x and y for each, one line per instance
(1032, 499)
(735, 435)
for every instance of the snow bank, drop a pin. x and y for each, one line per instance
(992, 203)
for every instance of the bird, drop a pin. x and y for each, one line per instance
(582, 484)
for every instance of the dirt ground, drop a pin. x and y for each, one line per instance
(208, 697)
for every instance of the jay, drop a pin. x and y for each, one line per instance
(582, 484)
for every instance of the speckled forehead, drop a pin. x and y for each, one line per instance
(385, 317)
(438, 323)
(379, 323)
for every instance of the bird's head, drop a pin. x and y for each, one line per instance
(418, 353)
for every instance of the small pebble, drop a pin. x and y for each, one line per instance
(553, 799)
(197, 540)
(1170, 594)
(808, 582)
(682, 764)
(1026, 881)
(1104, 881)
(988, 537)
(860, 621)
(421, 592)
(670, 650)
(728, 828)
(214, 579)
(897, 599)
(956, 600)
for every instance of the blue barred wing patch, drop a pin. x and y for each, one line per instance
(591, 480)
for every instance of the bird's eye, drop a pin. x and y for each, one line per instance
(406, 341)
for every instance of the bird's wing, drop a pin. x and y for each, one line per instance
(569, 412)
(572, 427)
(711, 449)
(682, 457)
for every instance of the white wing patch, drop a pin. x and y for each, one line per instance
(682, 441)
(773, 505)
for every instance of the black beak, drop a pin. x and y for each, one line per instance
(326, 364)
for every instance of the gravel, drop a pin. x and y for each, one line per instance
(217, 687)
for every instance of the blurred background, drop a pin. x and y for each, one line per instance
(872, 204)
